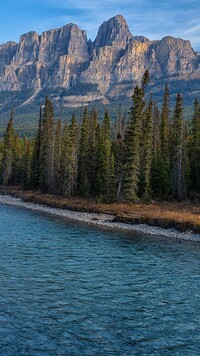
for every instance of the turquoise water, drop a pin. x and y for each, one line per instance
(67, 289)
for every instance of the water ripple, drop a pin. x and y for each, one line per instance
(67, 289)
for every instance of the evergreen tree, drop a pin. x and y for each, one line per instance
(145, 80)
(119, 152)
(156, 130)
(71, 158)
(64, 159)
(17, 156)
(57, 159)
(47, 147)
(194, 149)
(99, 182)
(133, 143)
(83, 157)
(36, 171)
(177, 152)
(160, 183)
(165, 126)
(26, 161)
(111, 193)
(92, 152)
(106, 146)
(105, 180)
(160, 172)
(147, 151)
(8, 152)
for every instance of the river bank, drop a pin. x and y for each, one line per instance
(114, 216)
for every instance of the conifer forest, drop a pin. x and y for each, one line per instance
(155, 154)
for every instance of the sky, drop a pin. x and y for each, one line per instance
(151, 18)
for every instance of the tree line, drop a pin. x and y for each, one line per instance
(153, 154)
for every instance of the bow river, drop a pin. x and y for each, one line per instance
(71, 289)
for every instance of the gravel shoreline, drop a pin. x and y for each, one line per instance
(101, 220)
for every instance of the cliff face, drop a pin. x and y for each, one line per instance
(65, 58)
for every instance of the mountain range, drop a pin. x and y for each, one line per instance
(75, 71)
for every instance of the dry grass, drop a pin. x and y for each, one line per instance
(183, 216)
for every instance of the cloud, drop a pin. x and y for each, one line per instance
(194, 29)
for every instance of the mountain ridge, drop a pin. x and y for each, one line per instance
(103, 70)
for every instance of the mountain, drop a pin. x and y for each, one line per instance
(75, 71)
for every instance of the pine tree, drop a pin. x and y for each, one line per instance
(107, 153)
(100, 164)
(145, 80)
(17, 156)
(160, 183)
(111, 194)
(47, 147)
(36, 171)
(147, 152)
(156, 130)
(72, 151)
(57, 159)
(160, 172)
(83, 157)
(194, 149)
(177, 152)
(133, 143)
(26, 165)
(119, 152)
(165, 126)
(64, 159)
(92, 152)
(104, 161)
(8, 152)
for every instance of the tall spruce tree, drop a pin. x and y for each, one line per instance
(83, 157)
(147, 151)
(72, 157)
(194, 149)
(36, 171)
(165, 125)
(92, 151)
(26, 164)
(64, 159)
(57, 158)
(8, 152)
(17, 154)
(106, 168)
(160, 173)
(177, 152)
(133, 144)
(100, 164)
(47, 147)
(119, 152)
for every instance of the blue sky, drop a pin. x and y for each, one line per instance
(151, 18)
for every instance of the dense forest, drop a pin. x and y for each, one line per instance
(154, 154)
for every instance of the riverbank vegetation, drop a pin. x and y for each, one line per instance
(183, 216)
(154, 155)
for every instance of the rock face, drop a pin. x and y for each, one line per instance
(114, 32)
(111, 64)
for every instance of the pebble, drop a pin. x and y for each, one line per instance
(102, 220)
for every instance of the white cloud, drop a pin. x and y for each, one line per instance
(193, 30)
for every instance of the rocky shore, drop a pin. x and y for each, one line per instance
(99, 219)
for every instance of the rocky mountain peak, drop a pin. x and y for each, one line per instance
(114, 32)
(67, 40)
(103, 70)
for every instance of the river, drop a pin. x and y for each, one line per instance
(70, 289)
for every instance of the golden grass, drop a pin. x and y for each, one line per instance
(183, 216)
